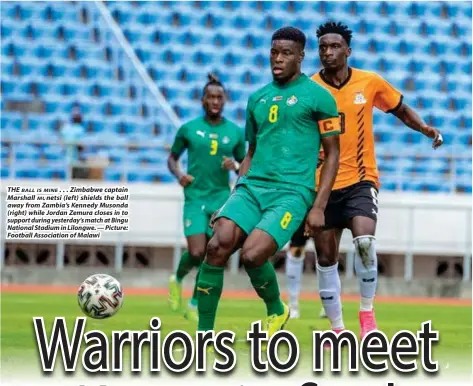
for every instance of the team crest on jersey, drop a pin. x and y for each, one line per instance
(291, 101)
(225, 140)
(359, 98)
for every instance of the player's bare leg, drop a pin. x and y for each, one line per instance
(255, 253)
(366, 267)
(227, 238)
(327, 244)
(190, 259)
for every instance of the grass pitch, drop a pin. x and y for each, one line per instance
(19, 348)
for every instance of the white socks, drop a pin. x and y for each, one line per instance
(366, 304)
(366, 268)
(330, 290)
(294, 268)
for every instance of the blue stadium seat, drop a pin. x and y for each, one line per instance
(177, 42)
(53, 152)
(26, 169)
(5, 171)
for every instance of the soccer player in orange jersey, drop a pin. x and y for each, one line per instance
(353, 203)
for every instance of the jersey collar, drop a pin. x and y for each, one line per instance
(299, 79)
(322, 76)
(221, 123)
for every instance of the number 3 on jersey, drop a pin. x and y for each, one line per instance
(213, 147)
(273, 114)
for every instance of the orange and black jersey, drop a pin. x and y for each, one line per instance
(356, 98)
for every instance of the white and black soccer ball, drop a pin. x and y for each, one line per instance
(100, 296)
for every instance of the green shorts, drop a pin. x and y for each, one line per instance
(278, 212)
(197, 214)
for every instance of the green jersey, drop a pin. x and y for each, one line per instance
(206, 145)
(286, 124)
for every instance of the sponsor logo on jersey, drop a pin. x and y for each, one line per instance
(291, 101)
(201, 133)
(359, 98)
(225, 140)
(188, 223)
(263, 100)
(213, 136)
(277, 98)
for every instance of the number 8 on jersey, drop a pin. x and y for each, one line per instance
(273, 113)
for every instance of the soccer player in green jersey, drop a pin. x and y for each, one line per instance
(286, 122)
(211, 142)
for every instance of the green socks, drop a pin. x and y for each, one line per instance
(193, 301)
(265, 283)
(186, 264)
(210, 285)
(209, 289)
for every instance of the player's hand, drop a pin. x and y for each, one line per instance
(435, 134)
(315, 222)
(186, 180)
(212, 219)
(229, 164)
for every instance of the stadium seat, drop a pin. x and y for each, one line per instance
(47, 50)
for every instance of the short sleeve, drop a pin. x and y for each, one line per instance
(250, 126)
(387, 98)
(328, 118)
(180, 142)
(239, 151)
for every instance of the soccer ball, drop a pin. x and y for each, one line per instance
(100, 296)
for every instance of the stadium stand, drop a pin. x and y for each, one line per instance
(61, 53)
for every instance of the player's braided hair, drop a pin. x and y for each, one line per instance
(290, 33)
(332, 27)
(213, 81)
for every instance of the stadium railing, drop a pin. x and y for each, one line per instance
(401, 176)
(410, 224)
(137, 64)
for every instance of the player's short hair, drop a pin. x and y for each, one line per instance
(213, 81)
(332, 27)
(290, 33)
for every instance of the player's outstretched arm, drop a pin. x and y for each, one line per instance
(316, 218)
(411, 119)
